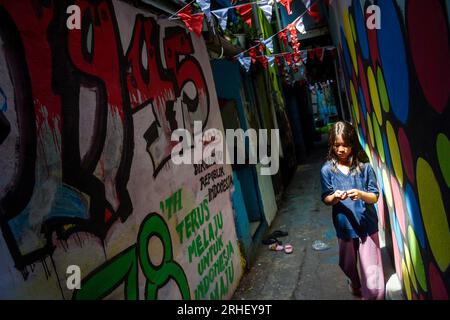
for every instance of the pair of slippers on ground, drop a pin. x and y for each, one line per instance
(277, 245)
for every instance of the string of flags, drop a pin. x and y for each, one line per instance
(289, 59)
(288, 35)
(194, 21)
(290, 29)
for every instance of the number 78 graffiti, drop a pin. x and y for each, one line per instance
(124, 268)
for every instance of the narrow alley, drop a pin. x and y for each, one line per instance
(159, 149)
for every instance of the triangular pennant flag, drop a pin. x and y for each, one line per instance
(205, 6)
(333, 53)
(261, 47)
(263, 61)
(287, 4)
(307, 3)
(245, 11)
(252, 54)
(222, 16)
(245, 62)
(278, 60)
(302, 70)
(283, 37)
(267, 10)
(269, 44)
(294, 36)
(186, 11)
(296, 46)
(314, 12)
(319, 53)
(290, 27)
(271, 60)
(304, 55)
(288, 58)
(300, 26)
(193, 22)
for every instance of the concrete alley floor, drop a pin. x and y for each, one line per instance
(306, 274)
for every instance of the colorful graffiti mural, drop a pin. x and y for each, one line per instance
(398, 80)
(86, 118)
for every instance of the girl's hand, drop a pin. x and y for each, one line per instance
(354, 194)
(340, 195)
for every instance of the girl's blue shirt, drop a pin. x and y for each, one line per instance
(351, 219)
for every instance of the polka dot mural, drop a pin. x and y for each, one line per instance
(364, 92)
(409, 268)
(373, 46)
(346, 53)
(350, 40)
(370, 129)
(382, 89)
(378, 170)
(414, 215)
(374, 95)
(387, 152)
(398, 203)
(443, 153)
(354, 101)
(367, 151)
(433, 213)
(406, 156)
(378, 138)
(439, 292)
(361, 30)
(363, 104)
(416, 259)
(406, 280)
(380, 208)
(395, 152)
(397, 257)
(399, 79)
(395, 68)
(362, 141)
(431, 54)
(387, 189)
(397, 232)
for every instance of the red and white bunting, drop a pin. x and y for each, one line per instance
(194, 22)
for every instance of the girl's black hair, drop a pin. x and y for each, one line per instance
(347, 132)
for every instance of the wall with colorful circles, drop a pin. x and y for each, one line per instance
(398, 87)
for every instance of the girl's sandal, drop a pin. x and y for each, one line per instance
(276, 247)
(288, 249)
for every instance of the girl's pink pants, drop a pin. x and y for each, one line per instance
(370, 277)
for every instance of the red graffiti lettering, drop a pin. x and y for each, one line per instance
(94, 49)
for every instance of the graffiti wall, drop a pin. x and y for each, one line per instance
(398, 84)
(86, 117)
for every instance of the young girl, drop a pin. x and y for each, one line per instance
(349, 185)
